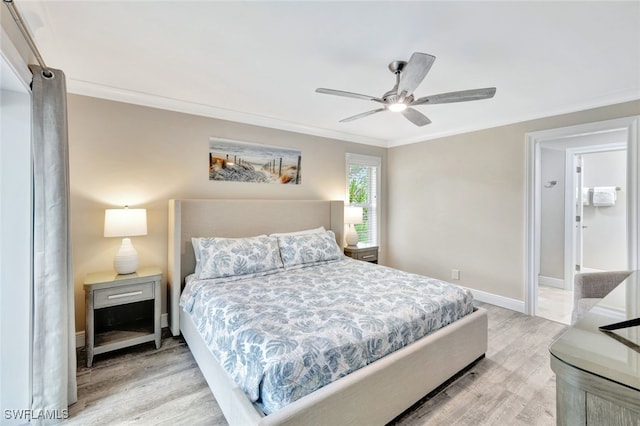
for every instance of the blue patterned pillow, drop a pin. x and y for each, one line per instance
(308, 248)
(226, 257)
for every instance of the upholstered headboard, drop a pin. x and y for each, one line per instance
(236, 218)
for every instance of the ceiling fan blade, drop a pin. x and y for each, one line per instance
(462, 96)
(347, 94)
(416, 117)
(414, 72)
(361, 115)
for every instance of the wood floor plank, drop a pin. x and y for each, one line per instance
(512, 385)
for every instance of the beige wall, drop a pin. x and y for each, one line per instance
(458, 202)
(126, 154)
(455, 202)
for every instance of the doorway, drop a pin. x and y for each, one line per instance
(583, 215)
(555, 240)
(600, 212)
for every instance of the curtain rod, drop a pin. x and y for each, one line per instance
(46, 72)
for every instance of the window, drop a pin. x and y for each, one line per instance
(363, 190)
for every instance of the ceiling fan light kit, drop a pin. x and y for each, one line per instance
(400, 98)
(397, 107)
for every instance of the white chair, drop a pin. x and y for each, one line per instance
(590, 287)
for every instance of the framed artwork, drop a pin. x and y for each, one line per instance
(250, 162)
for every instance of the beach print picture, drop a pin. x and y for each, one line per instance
(249, 162)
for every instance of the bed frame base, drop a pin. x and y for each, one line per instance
(373, 395)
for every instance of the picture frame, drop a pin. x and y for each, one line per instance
(236, 161)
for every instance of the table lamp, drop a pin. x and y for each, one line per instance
(352, 216)
(126, 223)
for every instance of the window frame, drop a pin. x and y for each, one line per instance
(369, 161)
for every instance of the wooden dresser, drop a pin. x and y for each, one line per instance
(598, 373)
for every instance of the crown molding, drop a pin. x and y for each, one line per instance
(86, 88)
(612, 99)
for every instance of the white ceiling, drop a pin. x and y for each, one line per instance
(260, 62)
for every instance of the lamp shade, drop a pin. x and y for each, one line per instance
(353, 215)
(125, 222)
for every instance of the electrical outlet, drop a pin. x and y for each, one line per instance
(455, 274)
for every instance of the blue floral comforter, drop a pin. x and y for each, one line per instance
(283, 335)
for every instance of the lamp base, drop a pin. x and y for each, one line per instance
(126, 260)
(351, 238)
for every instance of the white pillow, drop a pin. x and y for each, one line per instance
(318, 230)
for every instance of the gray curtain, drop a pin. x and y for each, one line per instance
(54, 356)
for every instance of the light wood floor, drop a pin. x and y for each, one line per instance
(513, 385)
(555, 304)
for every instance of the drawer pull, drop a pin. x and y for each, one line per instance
(369, 256)
(118, 296)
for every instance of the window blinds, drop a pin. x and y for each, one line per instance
(363, 173)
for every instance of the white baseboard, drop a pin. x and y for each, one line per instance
(164, 322)
(501, 301)
(551, 282)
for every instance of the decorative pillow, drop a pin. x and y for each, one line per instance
(196, 242)
(318, 230)
(308, 248)
(225, 257)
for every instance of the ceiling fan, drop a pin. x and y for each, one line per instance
(400, 98)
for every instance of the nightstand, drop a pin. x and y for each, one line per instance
(363, 252)
(122, 310)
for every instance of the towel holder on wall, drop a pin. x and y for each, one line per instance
(617, 189)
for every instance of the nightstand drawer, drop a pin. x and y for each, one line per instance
(122, 295)
(370, 255)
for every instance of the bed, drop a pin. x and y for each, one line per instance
(373, 394)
